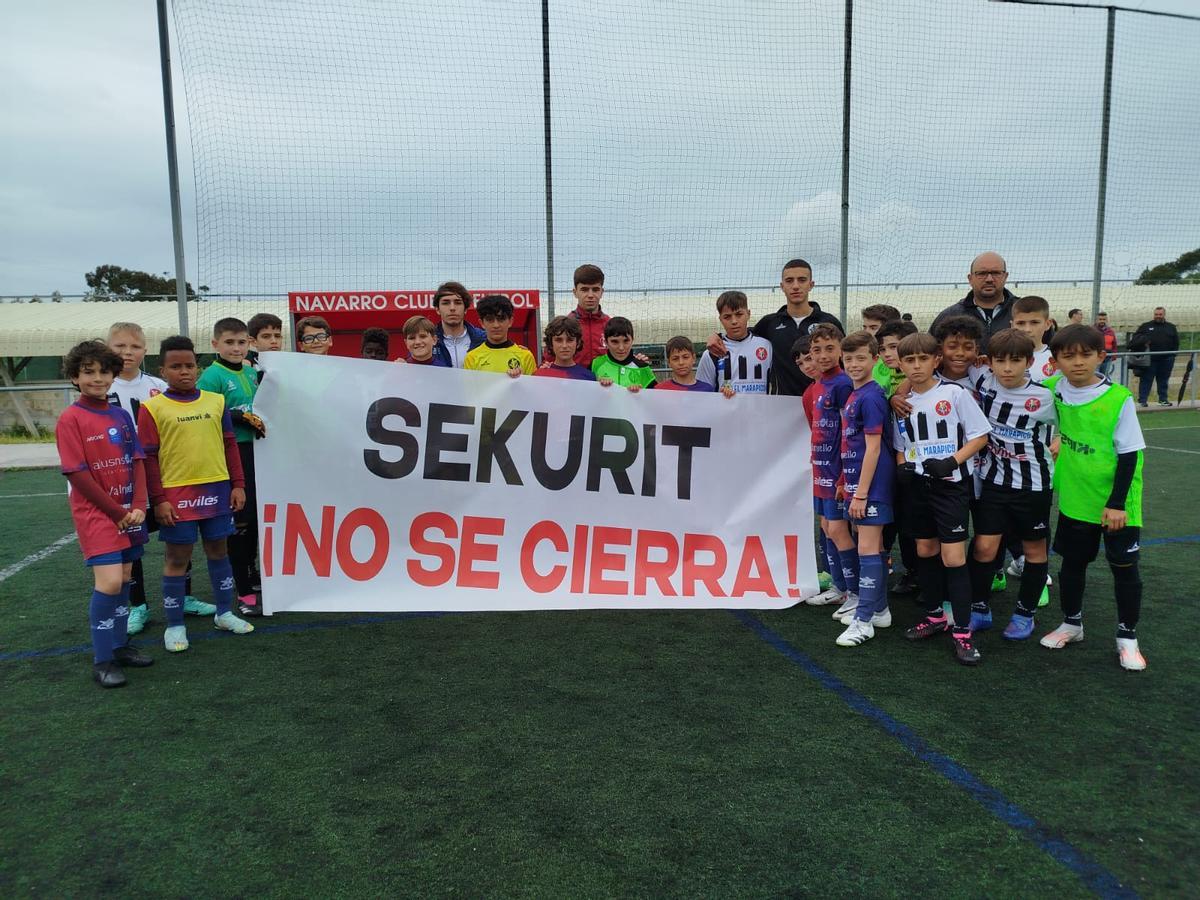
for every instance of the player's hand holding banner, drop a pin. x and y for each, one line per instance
(410, 488)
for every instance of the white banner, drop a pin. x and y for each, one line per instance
(386, 487)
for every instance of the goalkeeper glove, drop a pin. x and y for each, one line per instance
(940, 468)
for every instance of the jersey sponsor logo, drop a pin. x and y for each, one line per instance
(93, 437)
(196, 502)
(198, 417)
(1004, 453)
(761, 352)
(942, 407)
(823, 481)
(1033, 404)
(937, 450)
(1013, 434)
(1078, 446)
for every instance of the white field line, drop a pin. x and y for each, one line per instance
(28, 561)
(1173, 450)
(26, 496)
(1173, 428)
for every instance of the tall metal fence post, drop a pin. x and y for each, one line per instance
(1102, 189)
(549, 168)
(164, 55)
(843, 291)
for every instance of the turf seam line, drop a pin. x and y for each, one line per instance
(1097, 878)
(32, 558)
(193, 637)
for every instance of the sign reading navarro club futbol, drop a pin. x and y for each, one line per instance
(401, 488)
(324, 302)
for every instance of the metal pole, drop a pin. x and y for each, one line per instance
(164, 55)
(549, 166)
(1103, 186)
(845, 265)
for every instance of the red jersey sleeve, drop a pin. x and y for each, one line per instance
(147, 432)
(70, 443)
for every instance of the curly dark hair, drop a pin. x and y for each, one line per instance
(89, 352)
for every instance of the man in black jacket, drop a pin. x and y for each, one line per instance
(989, 300)
(1156, 335)
(796, 317)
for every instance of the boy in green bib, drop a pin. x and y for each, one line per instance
(232, 376)
(1098, 476)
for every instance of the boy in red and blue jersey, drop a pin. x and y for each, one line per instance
(868, 474)
(103, 463)
(194, 476)
(563, 340)
(831, 395)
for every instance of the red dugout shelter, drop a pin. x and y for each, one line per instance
(350, 313)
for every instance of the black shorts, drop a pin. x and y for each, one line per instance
(1013, 513)
(1080, 541)
(934, 508)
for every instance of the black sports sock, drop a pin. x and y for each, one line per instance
(137, 590)
(1033, 579)
(1072, 579)
(980, 574)
(240, 559)
(1127, 585)
(929, 576)
(958, 587)
(908, 553)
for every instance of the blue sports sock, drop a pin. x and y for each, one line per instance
(100, 615)
(220, 573)
(850, 569)
(173, 588)
(121, 618)
(834, 558)
(872, 586)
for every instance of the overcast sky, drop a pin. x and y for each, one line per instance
(359, 145)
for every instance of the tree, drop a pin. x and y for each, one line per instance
(115, 283)
(35, 299)
(56, 297)
(1184, 270)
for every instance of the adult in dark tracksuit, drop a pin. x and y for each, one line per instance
(1156, 335)
(989, 300)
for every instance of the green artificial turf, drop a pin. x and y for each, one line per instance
(594, 753)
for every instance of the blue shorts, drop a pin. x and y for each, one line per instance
(831, 509)
(128, 555)
(878, 513)
(186, 532)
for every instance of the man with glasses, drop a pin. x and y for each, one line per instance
(313, 336)
(989, 300)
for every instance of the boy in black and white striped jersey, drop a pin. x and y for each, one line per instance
(1017, 473)
(936, 443)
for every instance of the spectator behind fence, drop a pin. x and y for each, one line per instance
(989, 300)
(1156, 336)
(1110, 343)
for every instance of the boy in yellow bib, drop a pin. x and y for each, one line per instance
(1098, 476)
(194, 477)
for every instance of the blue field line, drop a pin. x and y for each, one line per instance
(1097, 878)
(1182, 539)
(193, 637)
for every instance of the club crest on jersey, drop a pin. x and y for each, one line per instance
(761, 352)
(154, 392)
(1048, 368)
(1033, 404)
(942, 407)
